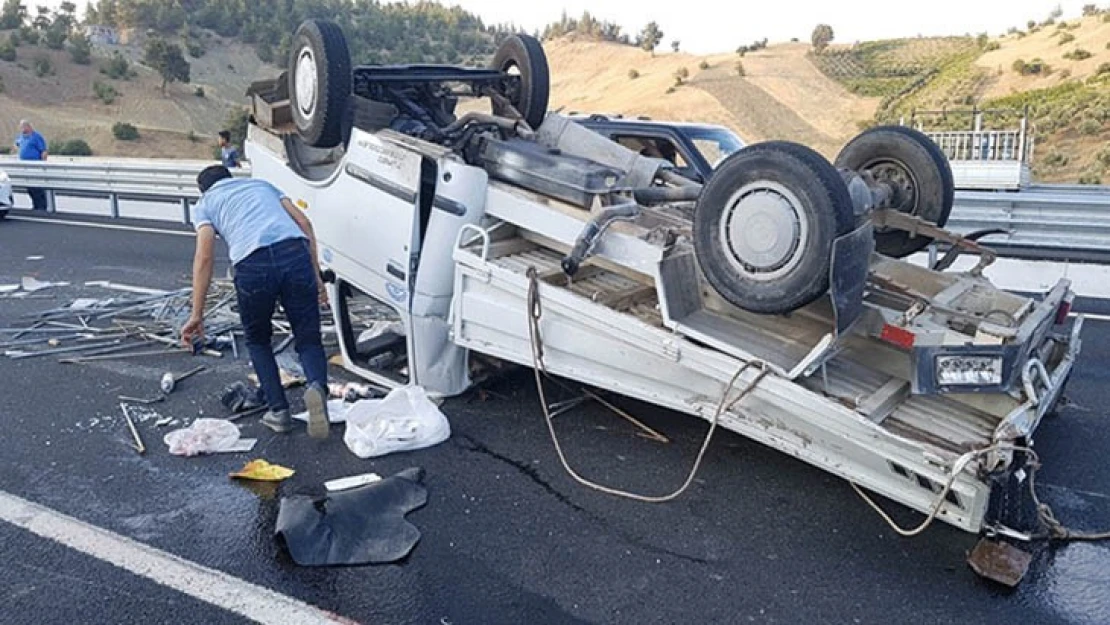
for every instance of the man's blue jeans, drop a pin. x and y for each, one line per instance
(282, 272)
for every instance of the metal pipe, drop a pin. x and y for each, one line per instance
(589, 236)
(662, 195)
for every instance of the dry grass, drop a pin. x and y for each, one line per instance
(1092, 35)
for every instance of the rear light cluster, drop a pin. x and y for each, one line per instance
(1064, 309)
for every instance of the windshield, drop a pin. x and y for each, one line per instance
(715, 144)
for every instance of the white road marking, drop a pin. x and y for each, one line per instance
(209, 585)
(88, 224)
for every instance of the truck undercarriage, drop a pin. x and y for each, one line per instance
(769, 300)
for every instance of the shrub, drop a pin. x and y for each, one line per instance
(7, 52)
(1090, 178)
(105, 92)
(982, 40)
(28, 34)
(15, 38)
(1103, 69)
(1104, 157)
(681, 74)
(1090, 127)
(1065, 38)
(1019, 66)
(992, 46)
(124, 131)
(633, 74)
(117, 68)
(670, 90)
(1065, 74)
(73, 147)
(43, 66)
(1090, 9)
(80, 49)
(704, 65)
(55, 38)
(740, 69)
(199, 92)
(1055, 159)
(1106, 17)
(1078, 54)
(195, 49)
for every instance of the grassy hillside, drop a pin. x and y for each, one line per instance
(1059, 71)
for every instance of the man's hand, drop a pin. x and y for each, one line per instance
(193, 330)
(322, 293)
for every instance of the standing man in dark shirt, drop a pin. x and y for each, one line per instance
(229, 156)
(32, 147)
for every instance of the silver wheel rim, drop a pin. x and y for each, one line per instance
(305, 83)
(764, 231)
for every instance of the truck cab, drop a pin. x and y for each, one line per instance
(694, 149)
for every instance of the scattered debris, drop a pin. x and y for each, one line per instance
(9, 288)
(337, 411)
(364, 525)
(164, 421)
(31, 284)
(999, 561)
(354, 481)
(239, 398)
(405, 420)
(288, 379)
(263, 471)
(205, 436)
(139, 446)
(140, 400)
(169, 380)
(36, 258)
(353, 391)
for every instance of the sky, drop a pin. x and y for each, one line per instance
(702, 28)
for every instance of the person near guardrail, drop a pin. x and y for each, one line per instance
(272, 247)
(32, 147)
(228, 154)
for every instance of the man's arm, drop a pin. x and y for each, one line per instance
(203, 262)
(306, 226)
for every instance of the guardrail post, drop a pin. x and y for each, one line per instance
(113, 201)
(185, 211)
(51, 202)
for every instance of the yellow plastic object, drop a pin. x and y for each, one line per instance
(263, 471)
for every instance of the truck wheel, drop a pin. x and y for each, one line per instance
(918, 169)
(764, 226)
(319, 82)
(524, 56)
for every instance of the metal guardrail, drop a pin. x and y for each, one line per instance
(1058, 222)
(118, 179)
(1065, 222)
(984, 145)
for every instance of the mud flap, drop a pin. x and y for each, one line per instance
(851, 261)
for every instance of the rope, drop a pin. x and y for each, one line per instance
(1055, 529)
(535, 312)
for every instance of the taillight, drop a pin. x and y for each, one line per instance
(1063, 310)
(898, 336)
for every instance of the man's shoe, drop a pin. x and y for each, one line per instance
(316, 400)
(279, 421)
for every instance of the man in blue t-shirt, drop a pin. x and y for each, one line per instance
(32, 147)
(273, 250)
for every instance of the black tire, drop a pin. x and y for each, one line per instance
(919, 168)
(799, 187)
(525, 53)
(320, 63)
(3, 214)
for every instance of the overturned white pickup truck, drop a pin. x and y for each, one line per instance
(770, 300)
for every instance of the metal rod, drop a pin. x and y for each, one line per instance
(60, 350)
(134, 432)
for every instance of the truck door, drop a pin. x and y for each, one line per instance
(367, 224)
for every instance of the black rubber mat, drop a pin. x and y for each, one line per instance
(364, 525)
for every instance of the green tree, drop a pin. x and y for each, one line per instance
(674, 45)
(650, 37)
(12, 15)
(80, 48)
(821, 38)
(166, 59)
(42, 20)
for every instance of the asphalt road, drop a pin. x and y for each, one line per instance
(507, 536)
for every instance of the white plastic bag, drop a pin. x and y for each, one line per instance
(204, 436)
(404, 420)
